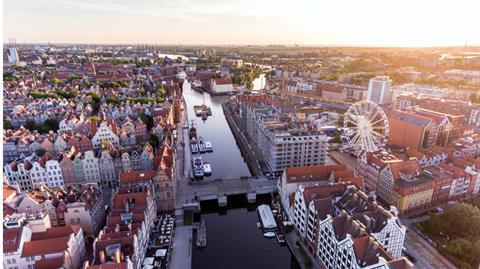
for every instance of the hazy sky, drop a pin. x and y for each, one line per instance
(312, 22)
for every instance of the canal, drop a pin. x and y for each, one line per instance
(233, 239)
(226, 160)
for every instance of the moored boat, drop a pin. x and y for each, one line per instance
(207, 169)
(201, 147)
(208, 146)
(269, 234)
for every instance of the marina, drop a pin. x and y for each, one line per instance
(220, 160)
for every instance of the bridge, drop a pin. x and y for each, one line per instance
(220, 189)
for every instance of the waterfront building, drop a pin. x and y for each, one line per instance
(344, 243)
(128, 228)
(313, 205)
(221, 85)
(379, 90)
(318, 175)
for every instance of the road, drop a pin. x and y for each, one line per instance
(343, 158)
(427, 256)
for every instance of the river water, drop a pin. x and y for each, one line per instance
(226, 160)
(233, 239)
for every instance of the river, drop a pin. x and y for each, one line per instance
(226, 160)
(233, 239)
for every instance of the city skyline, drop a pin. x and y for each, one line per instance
(212, 22)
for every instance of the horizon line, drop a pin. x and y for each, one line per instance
(8, 42)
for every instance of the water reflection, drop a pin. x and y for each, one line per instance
(234, 240)
(226, 160)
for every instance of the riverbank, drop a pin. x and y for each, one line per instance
(243, 145)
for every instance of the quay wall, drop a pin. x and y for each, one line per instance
(249, 155)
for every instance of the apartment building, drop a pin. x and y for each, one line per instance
(405, 186)
(57, 247)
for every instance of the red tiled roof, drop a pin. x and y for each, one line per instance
(8, 190)
(109, 265)
(55, 232)
(310, 173)
(46, 246)
(136, 176)
(11, 239)
(49, 263)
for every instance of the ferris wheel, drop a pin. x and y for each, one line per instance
(366, 127)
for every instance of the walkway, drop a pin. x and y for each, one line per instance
(182, 248)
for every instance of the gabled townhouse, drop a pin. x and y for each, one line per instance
(85, 208)
(58, 247)
(91, 167)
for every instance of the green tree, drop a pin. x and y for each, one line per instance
(148, 120)
(42, 128)
(40, 152)
(30, 125)
(52, 124)
(56, 81)
(7, 125)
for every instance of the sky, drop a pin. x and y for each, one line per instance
(245, 22)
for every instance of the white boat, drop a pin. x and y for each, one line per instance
(197, 166)
(201, 147)
(269, 234)
(208, 146)
(266, 217)
(207, 169)
(194, 148)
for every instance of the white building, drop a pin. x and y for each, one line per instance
(105, 134)
(221, 85)
(58, 247)
(54, 174)
(38, 175)
(379, 90)
(12, 56)
(91, 168)
(313, 205)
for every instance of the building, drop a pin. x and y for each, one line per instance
(379, 90)
(405, 186)
(57, 247)
(108, 174)
(344, 243)
(410, 130)
(125, 237)
(370, 164)
(12, 55)
(85, 209)
(105, 136)
(314, 205)
(221, 85)
(91, 168)
(309, 176)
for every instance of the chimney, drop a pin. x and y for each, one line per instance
(118, 256)
(102, 257)
(117, 228)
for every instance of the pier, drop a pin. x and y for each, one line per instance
(202, 235)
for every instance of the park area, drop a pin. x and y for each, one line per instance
(456, 233)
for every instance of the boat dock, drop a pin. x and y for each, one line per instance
(202, 109)
(202, 235)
